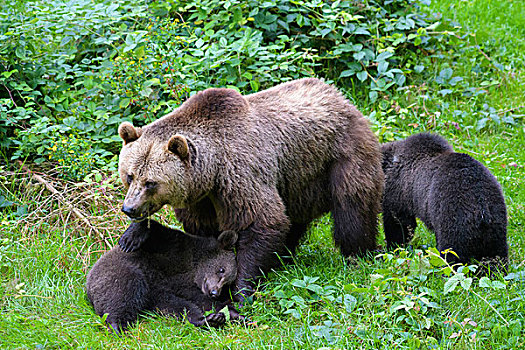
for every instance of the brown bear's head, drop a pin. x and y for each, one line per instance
(155, 170)
(219, 269)
(159, 164)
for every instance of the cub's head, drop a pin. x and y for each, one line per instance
(219, 269)
(155, 169)
(412, 150)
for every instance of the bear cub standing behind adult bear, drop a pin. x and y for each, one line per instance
(172, 273)
(452, 193)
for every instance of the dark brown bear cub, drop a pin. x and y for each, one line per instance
(263, 165)
(452, 193)
(172, 273)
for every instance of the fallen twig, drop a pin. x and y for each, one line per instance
(510, 110)
(70, 206)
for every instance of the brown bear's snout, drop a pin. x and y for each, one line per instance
(136, 214)
(136, 206)
(214, 293)
(212, 288)
(129, 211)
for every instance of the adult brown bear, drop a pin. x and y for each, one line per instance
(263, 165)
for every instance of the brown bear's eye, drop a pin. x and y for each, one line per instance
(150, 185)
(129, 179)
(221, 270)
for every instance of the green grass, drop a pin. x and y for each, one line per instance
(320, 301)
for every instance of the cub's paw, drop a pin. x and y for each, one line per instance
(216, 319)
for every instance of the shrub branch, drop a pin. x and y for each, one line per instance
(70, 206)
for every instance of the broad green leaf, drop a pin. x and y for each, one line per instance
(485, 282)
(315, 288)
(450, 285)
(362, 75)
(446, 73)
(298, 283)
(254, 84)
(452, 282)
(350, 302)
(373, 96)
(419, 68)
(347, 73)
(226, 312)
(383, 56)
(20, 52)
(124, 102)
(139, 52)
(466, 283)
(382, 67)
(9, 73)
(362, 31)
(359, 55)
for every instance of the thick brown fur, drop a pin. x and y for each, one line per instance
(171, 273)
(264, 165)
(452, 193)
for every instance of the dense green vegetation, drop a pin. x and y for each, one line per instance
(71, 71)
(76, 68)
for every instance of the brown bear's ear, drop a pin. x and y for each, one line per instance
(227, 239)
(178, 145)
(128, 132)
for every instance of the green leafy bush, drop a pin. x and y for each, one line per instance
(75, 157)
(405, 296)
(374, 41)
(50, 51)
(83, 66)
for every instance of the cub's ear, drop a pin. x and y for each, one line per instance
(128, 132)
(387, 151)
(178, 145)
(227, 239)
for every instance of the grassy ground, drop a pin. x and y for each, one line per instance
(393, 301)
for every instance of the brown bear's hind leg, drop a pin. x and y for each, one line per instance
(355, 208)
(354, 231)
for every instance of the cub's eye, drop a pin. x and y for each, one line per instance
(129, 179)
(221, 270)
(150, 185)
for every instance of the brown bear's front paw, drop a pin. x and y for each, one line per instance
(216, 320)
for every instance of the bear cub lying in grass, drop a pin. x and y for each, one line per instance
(453, 194)
(171, 273)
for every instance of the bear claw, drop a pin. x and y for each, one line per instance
(216, 319)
